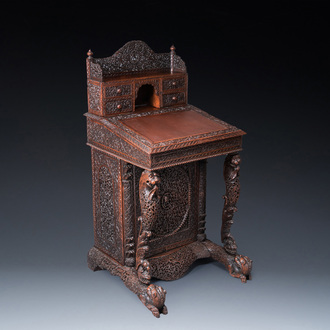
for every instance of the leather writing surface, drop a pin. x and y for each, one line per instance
(172, 125)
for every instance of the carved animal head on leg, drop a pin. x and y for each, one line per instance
(149, 182)
(154, 299)
(241, 267)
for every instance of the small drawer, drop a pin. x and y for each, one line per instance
(119, 90)
(173, 98)
(173, 84)
(113, 107)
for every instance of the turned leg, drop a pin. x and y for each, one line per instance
(152, 296)
(149, 201)
(231, 177)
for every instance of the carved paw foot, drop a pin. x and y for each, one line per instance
(154, 298)
(240, 267)
(229, 245)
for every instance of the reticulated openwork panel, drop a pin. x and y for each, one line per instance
(177, 217)
(107, 201)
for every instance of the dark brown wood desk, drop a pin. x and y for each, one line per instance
(149, 152)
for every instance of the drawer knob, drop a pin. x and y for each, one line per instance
(174, 83)
(119, 91)
(174, 98)
(119, 106)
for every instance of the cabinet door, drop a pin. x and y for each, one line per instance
(177, 220)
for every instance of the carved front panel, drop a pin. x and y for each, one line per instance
(177, 216)
(107, 203)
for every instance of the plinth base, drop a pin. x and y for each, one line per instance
(170, 266)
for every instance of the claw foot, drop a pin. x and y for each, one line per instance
(154, 298)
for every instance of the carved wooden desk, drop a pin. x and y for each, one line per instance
(149, 151)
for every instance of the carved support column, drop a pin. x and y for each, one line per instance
(128, 211)
(201, 236)
(231, 176)
(149, 201)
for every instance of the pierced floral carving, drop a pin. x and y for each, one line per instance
(149, 201)
(231, 176)
(134, 57)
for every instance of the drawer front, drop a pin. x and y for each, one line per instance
(113, 107)
(119, 90)
(173, 98)
(170, 84)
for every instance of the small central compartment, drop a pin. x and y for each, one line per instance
(146, 97)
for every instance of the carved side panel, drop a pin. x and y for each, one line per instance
(202, 200)
(101, 137)
(94, 97)
(177, 219)
(128, 213)
(107, 203)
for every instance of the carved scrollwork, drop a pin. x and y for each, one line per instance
(149, 201)
(134, 57)
(231, 176)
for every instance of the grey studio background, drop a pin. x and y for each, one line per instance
(263, 68)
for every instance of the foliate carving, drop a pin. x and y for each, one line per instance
(100, 136)
(190, 152)
(134, 57)
(231, 176)
(170, 84)
(95, 70)
(106, 204)
(149, 201)
(174, 265)
(201, 236)
(173, 98)
(118, 106)
(94, 92)
(118, 90)
(176, 221)
(128, 213)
